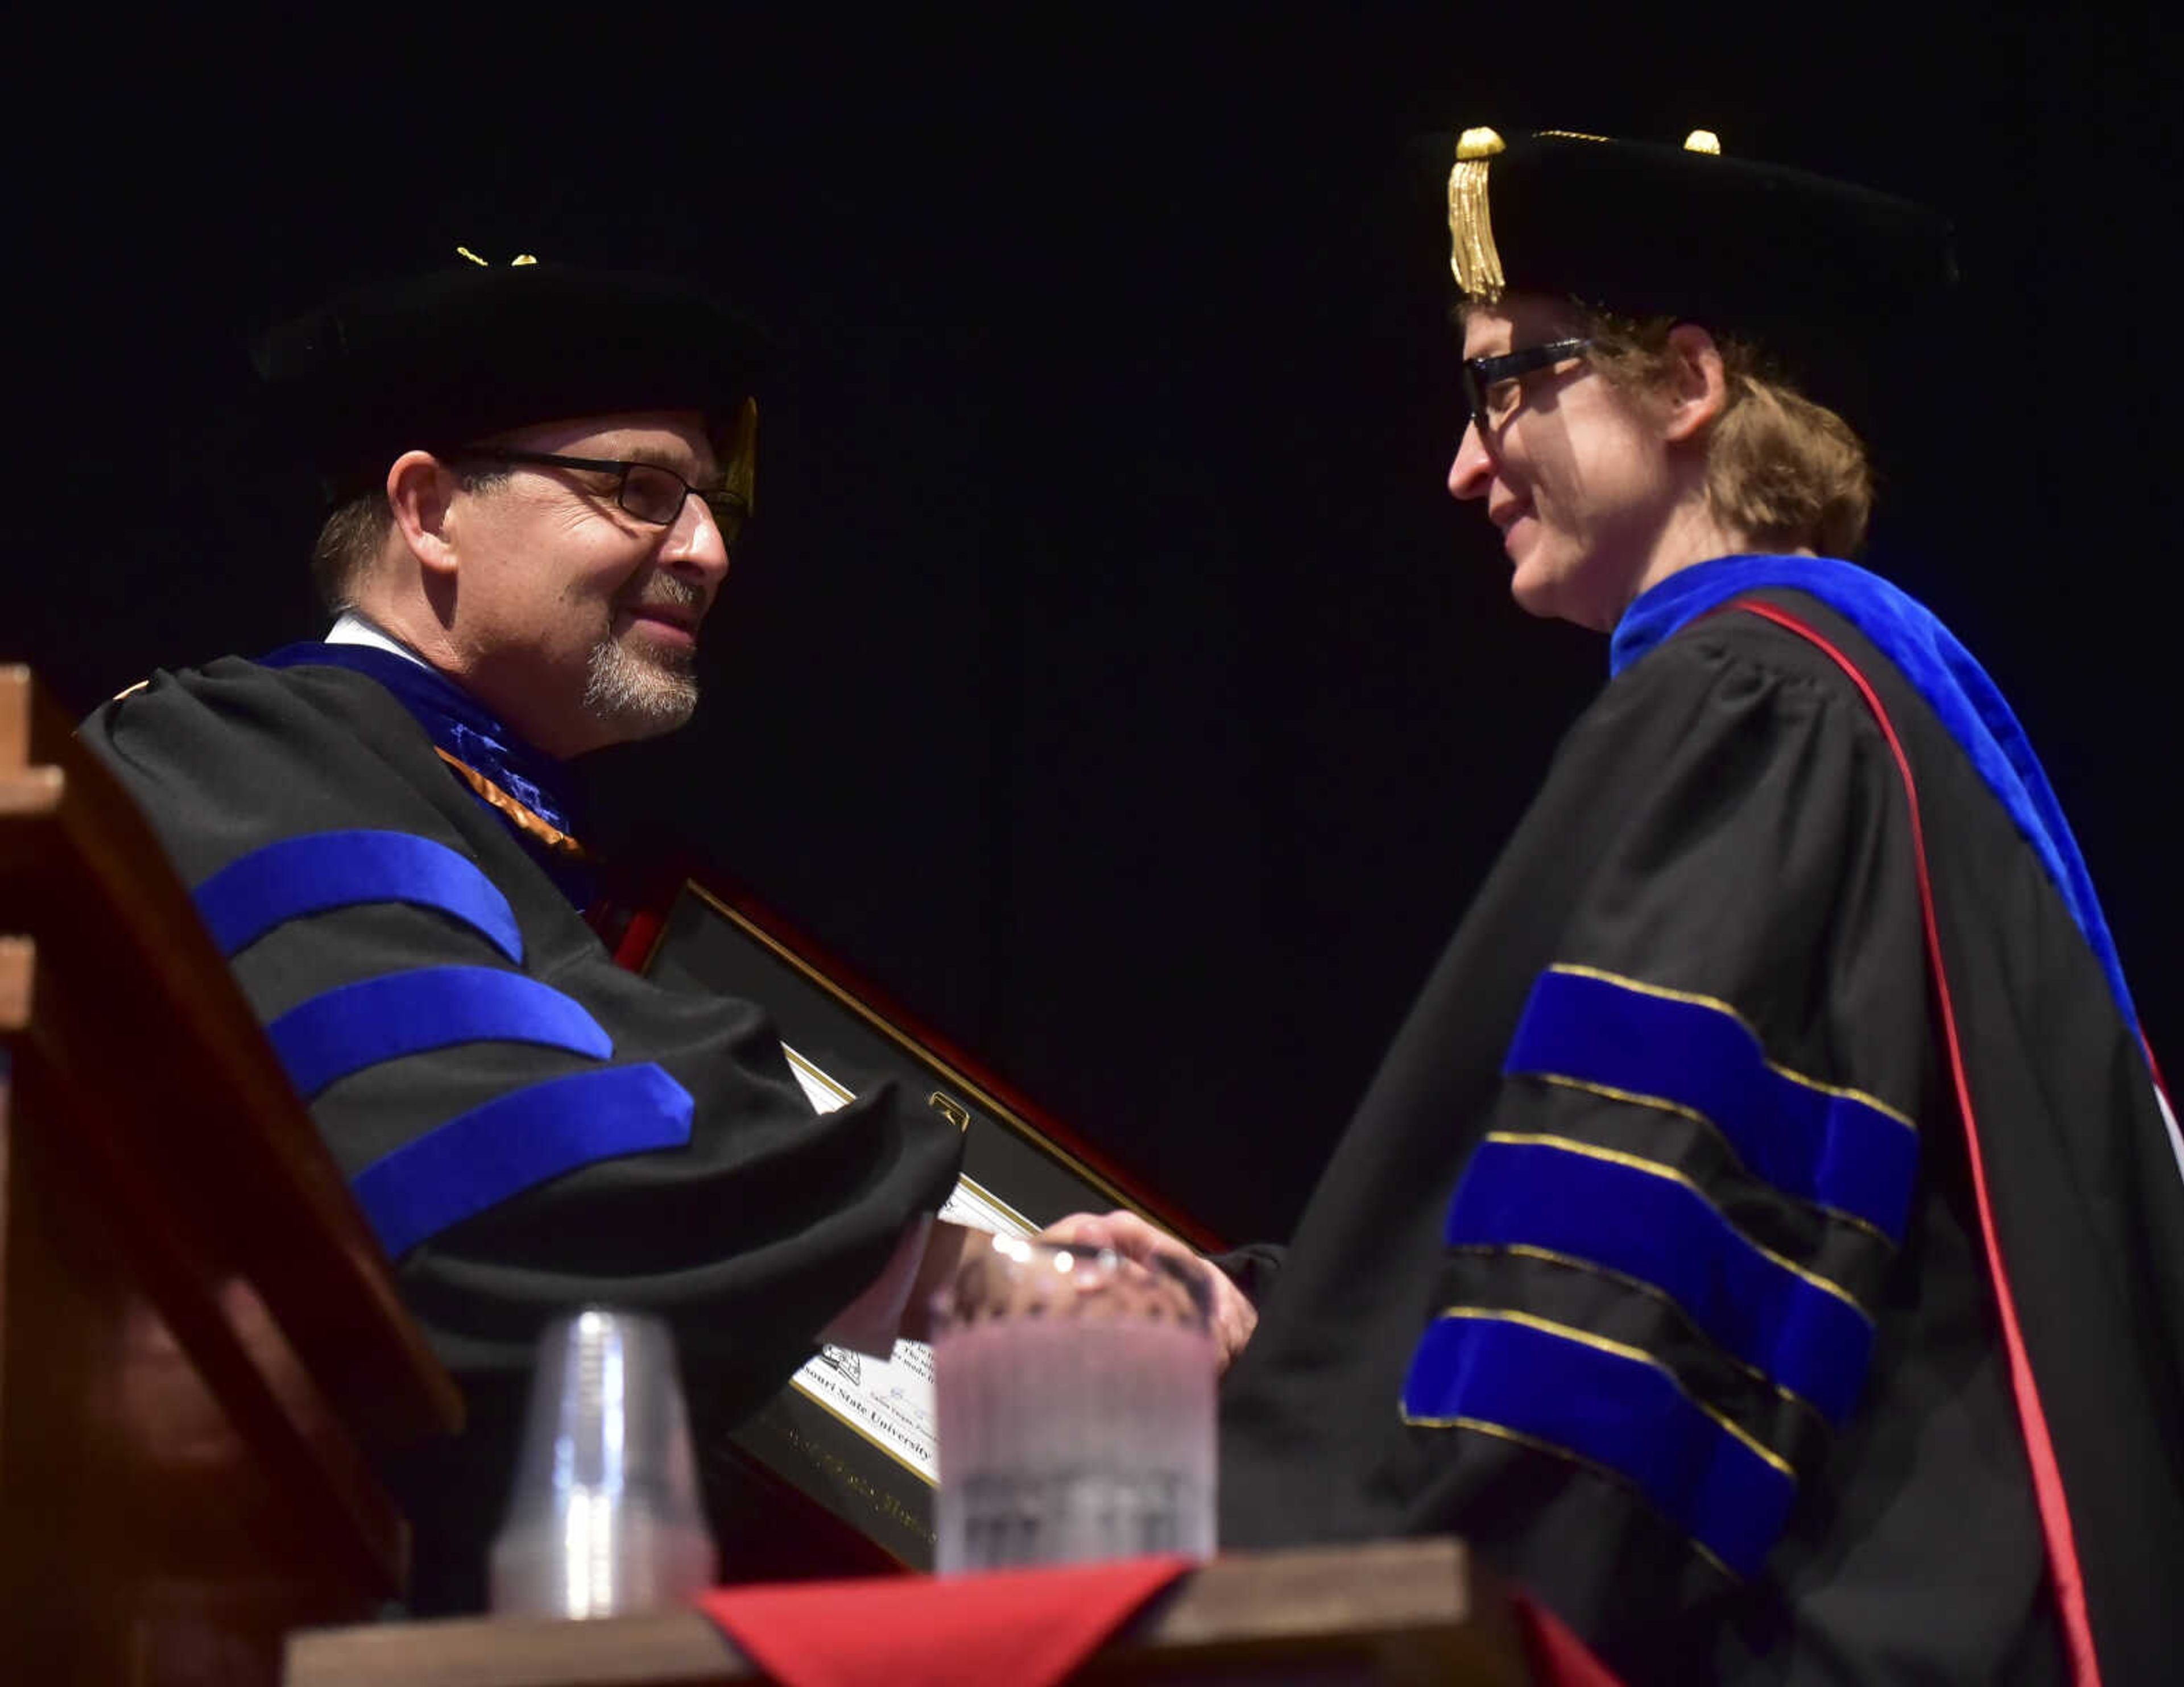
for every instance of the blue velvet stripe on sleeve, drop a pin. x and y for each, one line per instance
(325, 870)
(517, 1142)
(1608, 1406)
(1650, 1225)
(345, 1030)
(1841, 1150)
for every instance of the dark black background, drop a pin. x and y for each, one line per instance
(1108, 675)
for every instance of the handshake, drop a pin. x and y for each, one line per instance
(900, 1301)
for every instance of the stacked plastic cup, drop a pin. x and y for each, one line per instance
(605, 1517)
(1075, 1409)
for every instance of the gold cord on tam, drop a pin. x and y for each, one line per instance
(1471, 253)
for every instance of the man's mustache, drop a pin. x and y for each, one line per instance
(665, 591)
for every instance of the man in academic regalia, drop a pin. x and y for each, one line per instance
(1765, 1241)
(538, 473)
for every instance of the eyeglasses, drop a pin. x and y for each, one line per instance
(651, 494)
(1482, 375)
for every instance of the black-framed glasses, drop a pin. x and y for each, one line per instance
(653, 494)
(1482, 375)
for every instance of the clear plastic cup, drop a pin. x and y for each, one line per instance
(1075, 1409)
(605, 1519)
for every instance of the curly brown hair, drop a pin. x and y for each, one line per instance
(1785, 472)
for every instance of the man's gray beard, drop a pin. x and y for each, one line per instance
(639, 696)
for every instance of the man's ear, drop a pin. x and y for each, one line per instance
(1698, 384)
(420, 490)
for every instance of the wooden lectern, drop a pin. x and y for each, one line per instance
(1392, 1613)
(200, 1341)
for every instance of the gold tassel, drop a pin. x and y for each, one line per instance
(739, 473)
(1471, 253)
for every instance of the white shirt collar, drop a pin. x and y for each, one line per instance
(353, 629)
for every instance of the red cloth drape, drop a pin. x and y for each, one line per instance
(1555, 1655)
(1025, 1627)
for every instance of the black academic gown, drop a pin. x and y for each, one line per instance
(530, 1125)
(1656, 1260)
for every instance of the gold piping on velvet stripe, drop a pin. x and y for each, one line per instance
(1502, 1432)
(1743, 1024)
(1654, 1168)
(1661, 1104)
(1653, 1291)
(1621, 1350)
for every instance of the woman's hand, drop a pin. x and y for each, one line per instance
(1232, 1316)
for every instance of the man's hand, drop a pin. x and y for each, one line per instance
(1233, 1317)
(946, 1247)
